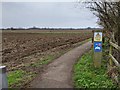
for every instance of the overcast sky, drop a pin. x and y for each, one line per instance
(47, 14)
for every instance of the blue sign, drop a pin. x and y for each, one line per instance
(97, 46)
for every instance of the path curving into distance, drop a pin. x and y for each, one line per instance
(58, 74)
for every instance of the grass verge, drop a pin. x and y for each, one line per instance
(86, 76)
(16, 77)
(43, 61)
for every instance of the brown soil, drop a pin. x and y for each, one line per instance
(20, 48)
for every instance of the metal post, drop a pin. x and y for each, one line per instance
(3, 77)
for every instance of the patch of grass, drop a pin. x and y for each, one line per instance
(87, 40)
(43, 61)
(86, 76)
(16, 77)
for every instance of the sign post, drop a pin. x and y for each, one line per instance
(97, 49)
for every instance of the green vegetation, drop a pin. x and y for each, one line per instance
(20, 77)
(43, 61)
(87, 40)
(86, 76)
(15, 77)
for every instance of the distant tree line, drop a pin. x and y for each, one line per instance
(37, 28)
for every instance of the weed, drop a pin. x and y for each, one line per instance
(17, 76)
(86, 76)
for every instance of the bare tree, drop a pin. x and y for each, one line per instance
(109, 17)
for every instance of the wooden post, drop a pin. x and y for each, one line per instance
(118, 57)
(3, 78)
(97, 49)
(110, 53)
(93, 36)
(118, 26)
(97, 59)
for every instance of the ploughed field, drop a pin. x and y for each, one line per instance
(22, 46)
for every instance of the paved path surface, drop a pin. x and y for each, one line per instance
(58, 74)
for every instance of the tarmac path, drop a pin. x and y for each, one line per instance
(58, 74)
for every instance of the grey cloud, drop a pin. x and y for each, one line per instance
(49, 14)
